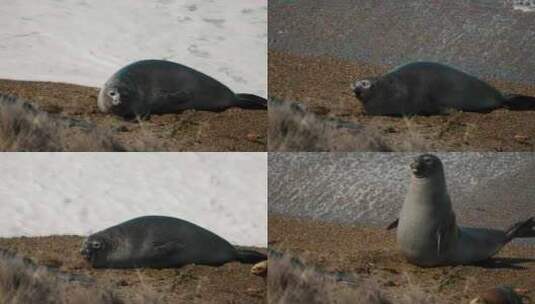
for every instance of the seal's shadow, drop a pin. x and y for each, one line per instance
(504, 263)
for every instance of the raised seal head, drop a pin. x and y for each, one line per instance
(425, 166)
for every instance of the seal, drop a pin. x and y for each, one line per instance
(150, 87)
(428, 234)
(161, 242)
(427, 88)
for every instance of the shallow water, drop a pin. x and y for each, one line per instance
(487, 189)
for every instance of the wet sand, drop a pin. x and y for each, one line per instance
(230, 283)
(231, 130)
(371, 253)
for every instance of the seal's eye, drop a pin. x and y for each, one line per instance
(116, 98)
(366, 84)
(96, 244)
(428, 161)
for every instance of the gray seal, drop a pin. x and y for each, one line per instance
(427, 88)
(428, 234)
(150, 87)
(161, 242)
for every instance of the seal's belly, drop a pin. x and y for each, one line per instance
(426, 237)
(419, 247)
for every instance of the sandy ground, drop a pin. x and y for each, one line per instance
(230, 283)
(372, 253)
(323, 85)
(232, 130)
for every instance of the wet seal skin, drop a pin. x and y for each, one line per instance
(428, 88)
(149, 87)
(161, 242)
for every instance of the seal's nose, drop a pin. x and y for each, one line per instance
(357, 91)
(416, 167)
(85, 252)
(359, 87)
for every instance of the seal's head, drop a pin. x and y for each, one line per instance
(426, 165)
(117, 97)
(380, 95)
(94, 250)
(363, 88)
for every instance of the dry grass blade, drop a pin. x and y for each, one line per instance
(290, 281)
(22, 281)
(293, 128)
(23, 127)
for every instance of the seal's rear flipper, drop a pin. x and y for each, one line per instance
(393, 225)
(524, 229)
(518, 102)
(250, 256)
(250, 101)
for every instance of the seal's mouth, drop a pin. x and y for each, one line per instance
(358, 93)
(86, 253)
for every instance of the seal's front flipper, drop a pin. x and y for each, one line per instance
(393, 225)
(167, 248)
(250, 101)
(519, 102)
(249, 256)
(181, 96)
(439, 238)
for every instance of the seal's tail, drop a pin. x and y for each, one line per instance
(524, 229)
(519, 102)
(250, 256)
(250, 101)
